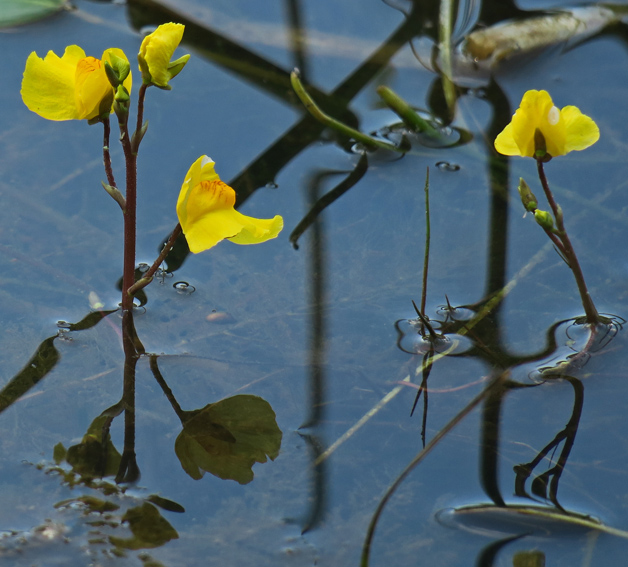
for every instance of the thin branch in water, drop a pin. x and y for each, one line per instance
(366, 549)
(316, 112)
(426, 257)
(329, 198)
(148, 276)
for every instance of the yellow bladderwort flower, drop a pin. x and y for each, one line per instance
(539, 126)
(155, 53)
(206, 213)
(71, 87)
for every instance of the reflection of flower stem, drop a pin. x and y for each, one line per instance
(593, 317)
(316, 112)
(128, 470)
(154, 368)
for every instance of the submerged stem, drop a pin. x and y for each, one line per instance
(317, 113)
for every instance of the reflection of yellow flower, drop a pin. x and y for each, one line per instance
(69, 87)
(562, 130)
(155, 53)
(206, 213)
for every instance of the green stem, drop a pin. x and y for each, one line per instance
(592, 315)
(409, 116)
(426, 257)
(316, 112)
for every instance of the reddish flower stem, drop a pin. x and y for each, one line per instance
(140, 112)
(106, 155)
(593, 317)
(128, 277)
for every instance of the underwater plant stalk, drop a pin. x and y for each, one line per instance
(426, 257)
(316, 112)
(592, 315)
(409, 116)
(445, 23)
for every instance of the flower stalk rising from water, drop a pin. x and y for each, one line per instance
(540, 130)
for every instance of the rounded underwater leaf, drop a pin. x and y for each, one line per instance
(149, 528)
(227, 438)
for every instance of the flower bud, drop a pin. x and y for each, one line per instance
(528, 198)
(121, 102)
(544, 220)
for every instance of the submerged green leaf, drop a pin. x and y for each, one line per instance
(20, 12)
(227, 438)
(149, 528)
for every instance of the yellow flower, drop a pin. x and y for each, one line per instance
(155, 53)
(71, 87)
(562, 131)
(206, 213)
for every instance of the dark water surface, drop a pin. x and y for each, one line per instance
(310, 332)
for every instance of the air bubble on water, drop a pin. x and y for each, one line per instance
(184, 288)
(447, 166)
(138, 309)
(143, 267)
(162, 274)
(478, 93)
(359, 148)
(64, 325)
(63, 333)
(271, 185)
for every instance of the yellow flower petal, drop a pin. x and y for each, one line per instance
(582, 131)
(69, 87)
(206, 212)
(505, 143)
(562, 130)
(48, 84)
(91, 87)
(156, 51)
(255, 230)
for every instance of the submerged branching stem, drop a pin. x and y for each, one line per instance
(316, 112)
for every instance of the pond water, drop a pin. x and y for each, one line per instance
(312, 355)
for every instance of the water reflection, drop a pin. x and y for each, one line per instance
(225, 438)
